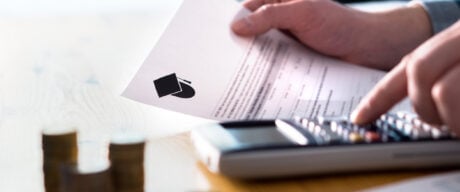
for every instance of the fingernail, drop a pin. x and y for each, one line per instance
(241, 26)
(354, 116)
(358, 115)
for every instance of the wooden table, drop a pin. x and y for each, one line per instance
(67, 63)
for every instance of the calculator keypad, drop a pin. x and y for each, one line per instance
(392, 127)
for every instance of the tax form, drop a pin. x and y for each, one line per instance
(200, 67)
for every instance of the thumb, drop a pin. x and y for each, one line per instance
(265, 18)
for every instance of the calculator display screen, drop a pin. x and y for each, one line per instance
(258, 136)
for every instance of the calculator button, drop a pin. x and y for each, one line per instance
(311, 126)
(399, 124)
(384, 138)
(420, 134)
(417, 122)
(440, 133)
(408, 128)
(355, 137)
(371, 137)
(330, 138)
(383, 117)
(362, 131)
(385, 128)
(436, 133)
(379, 124)
(396, 132)
(407, 116)
(335, 126)
(355, 128)
(411, 117)
(345, 135)
(391, 120)
(444, 128)
(394, 136)
(317, 130)
(295, 132)
(298, 119)
(333, 137)
(401, 114)
(325, 135)
(426, 127)
(304, 122)
(326, 120)
(320, 140)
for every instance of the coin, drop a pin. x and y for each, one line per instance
(58, 148)
(126, 154)
(76, 180)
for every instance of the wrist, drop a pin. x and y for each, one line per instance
(405, 29)
(394, 33)
(421, 19)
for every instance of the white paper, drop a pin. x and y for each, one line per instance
(448, 182)
(232, 77)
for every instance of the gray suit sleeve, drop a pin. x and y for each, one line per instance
(443, 13)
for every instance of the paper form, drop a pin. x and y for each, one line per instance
(200, 67)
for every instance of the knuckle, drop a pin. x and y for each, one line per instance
(417, 67)
(442, 93)
(268, 10)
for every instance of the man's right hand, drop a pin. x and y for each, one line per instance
(377, 40)
(429, 76)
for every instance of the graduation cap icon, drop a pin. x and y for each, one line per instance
(172, 85)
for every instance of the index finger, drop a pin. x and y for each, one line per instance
(386, 93)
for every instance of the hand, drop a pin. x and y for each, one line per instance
(377, 40)
(430, 75)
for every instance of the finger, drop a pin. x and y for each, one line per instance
(445, 94)
(265, 18)
(387, 92)
(253, 4)
(429, 63)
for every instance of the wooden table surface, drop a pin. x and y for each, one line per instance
(66, 62)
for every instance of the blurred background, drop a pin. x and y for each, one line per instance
(66, 62)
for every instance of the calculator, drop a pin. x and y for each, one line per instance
(323, 145)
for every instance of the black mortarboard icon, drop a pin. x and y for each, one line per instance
(171, 85)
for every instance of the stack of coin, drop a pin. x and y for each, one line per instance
(76, 180)
(127, 160)
(58, 149)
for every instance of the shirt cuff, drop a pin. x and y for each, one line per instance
(442, 13)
